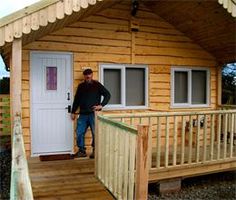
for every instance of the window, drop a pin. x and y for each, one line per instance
(127, 85)
(51, 78)
(112, 81)
(190, 87)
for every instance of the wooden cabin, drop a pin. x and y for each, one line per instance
(160, 60)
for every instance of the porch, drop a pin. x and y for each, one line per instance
(136, 149)
(132, 151)
(65, 179)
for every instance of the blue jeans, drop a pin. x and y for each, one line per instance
(84, 121)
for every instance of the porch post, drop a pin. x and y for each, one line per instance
(219, 85)
(142, 163)
(15, 79)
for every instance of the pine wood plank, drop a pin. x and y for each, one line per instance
(70, 179)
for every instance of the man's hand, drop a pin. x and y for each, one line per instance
(97, 108)
(72, 116)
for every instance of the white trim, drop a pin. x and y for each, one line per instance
(189, 103)
(112, 66)
(122, 106)
(71, 95)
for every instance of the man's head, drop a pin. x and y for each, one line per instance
(88, 75)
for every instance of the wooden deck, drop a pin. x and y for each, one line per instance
(74, 179)
(66, 179)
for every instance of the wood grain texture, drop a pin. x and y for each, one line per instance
(105, 37)
(67, 179)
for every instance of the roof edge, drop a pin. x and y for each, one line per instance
(26, 11)
(229, 5)
(38, 15)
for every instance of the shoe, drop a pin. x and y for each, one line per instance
(82, 154)
(92, 155)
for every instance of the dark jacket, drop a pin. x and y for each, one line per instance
(89, 95)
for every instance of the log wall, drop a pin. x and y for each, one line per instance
(105, 37)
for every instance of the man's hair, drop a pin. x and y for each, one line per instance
(87, 71)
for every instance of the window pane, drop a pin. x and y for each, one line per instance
(112, 81)
(51, 78)
(181, 87)
(199, 90)
(135, 86)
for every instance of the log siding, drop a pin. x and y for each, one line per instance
(105, 37)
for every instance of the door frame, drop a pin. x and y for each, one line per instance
(31, 53)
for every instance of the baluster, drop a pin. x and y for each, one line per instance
(190, 139)
(103, 150)
(132, 121)
(111, 158)
(122, 119)
(205, 138)
(99, 148)
(219, 136)
(212, 135)
(183, 140)
(126, 164)
(132, 144)
(225, 135)
(106, 160)
(231, 135)
(158, 159)
(150, 142)
(167, 143)
(198, 135)
(175, 141)
(121, 166)
(116, 161)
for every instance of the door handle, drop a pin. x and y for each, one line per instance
(68, 96)
(68, 108)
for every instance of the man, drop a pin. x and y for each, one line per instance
(88, 100)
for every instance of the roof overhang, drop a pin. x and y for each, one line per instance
(204, 21)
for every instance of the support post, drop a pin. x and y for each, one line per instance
(96, 145)
(142, 167)
(16, 75)
(219, 85)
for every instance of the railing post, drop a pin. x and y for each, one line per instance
(20, 180)
(96, 145)
(142, 168)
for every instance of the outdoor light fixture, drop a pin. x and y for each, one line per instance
(134, 8)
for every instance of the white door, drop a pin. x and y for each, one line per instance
(51, 86)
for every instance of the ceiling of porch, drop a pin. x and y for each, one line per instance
(204, 21)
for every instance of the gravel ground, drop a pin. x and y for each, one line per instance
(210, 187)
(5, 162)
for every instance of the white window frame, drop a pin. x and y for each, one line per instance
(189, 102)
(123, 67)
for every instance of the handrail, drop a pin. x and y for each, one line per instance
(227, 106)
(118, 124)
(167, 114)
(20, 180)
(121, 158)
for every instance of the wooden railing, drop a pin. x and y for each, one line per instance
(20, 181)
(5, 124)
(187, 138)
(121, 158)
(227, 107)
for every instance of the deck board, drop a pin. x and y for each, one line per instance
(66, 179)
